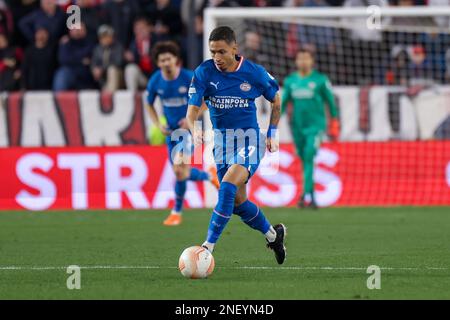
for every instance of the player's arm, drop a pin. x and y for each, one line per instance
(192, 116)
(183, 122)
(155, 119)
(151, 96)
(275, 114)
(270, 91)
(195, 105)
(286, 96)
(333, 126)
(203, 108)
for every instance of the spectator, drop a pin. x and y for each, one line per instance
(323, 38)
(397, 73)
(120, 14)
(365, 44)
(303, 3)
(335, 3)
(268, 3)
(443, 130)
(447, 64)
(186, 45)
(252, 49)
(19, 10)
(230, 3)
(166, 19)
(49, 16)
(64, 4)
(10, 58)
(6, 20)
(435, 45)
(140, 64)
(419, 70)
(325, 41)
(198, 42)
(91, 16)
(39, 63)
(74, 56)
(107, 60)
(359, 30)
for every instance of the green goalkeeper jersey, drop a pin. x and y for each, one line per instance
(308, 95)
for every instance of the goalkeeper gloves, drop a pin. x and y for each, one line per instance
(334, 129)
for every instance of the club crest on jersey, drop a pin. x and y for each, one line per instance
(182, 89)
(245, 86)
(311, 85)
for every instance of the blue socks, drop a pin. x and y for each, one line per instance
(198, 175)
(222, 212)
(180, 190)
(180, 187)
(252, 216)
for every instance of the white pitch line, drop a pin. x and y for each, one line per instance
(37, 268)
(26, 268)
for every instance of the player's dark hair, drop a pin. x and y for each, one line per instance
(223, 33)
(307, 49)
(165, 47)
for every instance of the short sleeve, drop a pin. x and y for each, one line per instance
(267, 83)
(197, 87)
(151, 90)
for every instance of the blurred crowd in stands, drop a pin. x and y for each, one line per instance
(111, 49)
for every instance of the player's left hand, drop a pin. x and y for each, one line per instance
(272, 144)
(183, 124)
(334, 129)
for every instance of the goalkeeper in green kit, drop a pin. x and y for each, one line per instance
(309, 91)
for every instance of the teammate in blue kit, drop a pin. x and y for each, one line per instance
(229, 84)
(171, 84)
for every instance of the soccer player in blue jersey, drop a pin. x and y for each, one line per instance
(229, 84)
(171, 84)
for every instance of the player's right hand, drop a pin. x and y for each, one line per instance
(272, 145)
(164, 130)
(198, 138)
(334, 129)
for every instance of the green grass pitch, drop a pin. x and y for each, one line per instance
(131, 255)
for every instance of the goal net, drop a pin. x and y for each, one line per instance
(353, 46)
(390, 70)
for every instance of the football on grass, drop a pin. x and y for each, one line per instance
(196, 263)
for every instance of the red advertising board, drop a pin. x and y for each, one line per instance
(363, 174)
(346, 174)
(89, 178)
